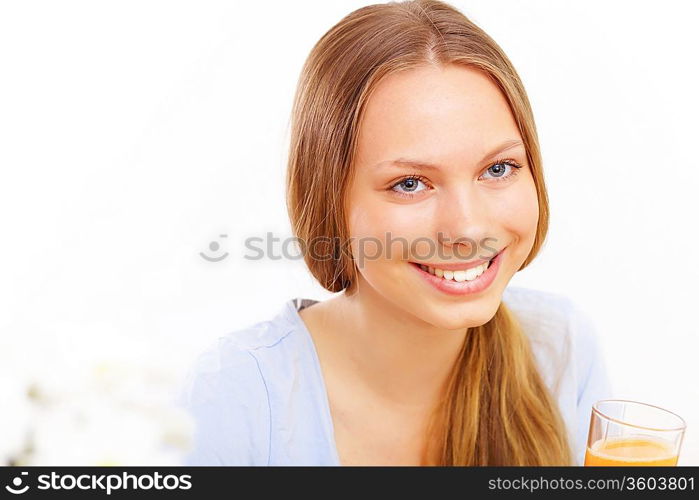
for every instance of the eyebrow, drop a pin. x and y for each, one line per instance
(423, 165)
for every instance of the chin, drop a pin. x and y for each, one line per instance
(467, 320)
(459, 316)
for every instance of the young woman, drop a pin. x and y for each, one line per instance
(415, 184)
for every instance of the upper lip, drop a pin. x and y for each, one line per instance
(459, 266)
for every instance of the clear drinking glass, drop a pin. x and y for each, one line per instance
(626, 433)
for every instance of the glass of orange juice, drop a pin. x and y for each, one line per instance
(626, 433)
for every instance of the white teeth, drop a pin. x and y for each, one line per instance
(472, 273)
(459, 276)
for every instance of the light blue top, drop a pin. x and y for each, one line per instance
(258, 397)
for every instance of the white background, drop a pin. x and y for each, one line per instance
(132, 134)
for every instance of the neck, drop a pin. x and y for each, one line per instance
(395, 355)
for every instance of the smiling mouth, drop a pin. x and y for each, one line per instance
(458, 275)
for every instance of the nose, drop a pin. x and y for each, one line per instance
(464, 224)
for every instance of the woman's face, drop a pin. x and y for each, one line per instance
(471, 204)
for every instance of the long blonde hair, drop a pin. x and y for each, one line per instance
(496, 408)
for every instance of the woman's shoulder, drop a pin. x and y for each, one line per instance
(227, 390)
(237, 354)
(545, 308)
(544, 314)
(563, 334)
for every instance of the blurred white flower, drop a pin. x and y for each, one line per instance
(90, 395)
(14, 418)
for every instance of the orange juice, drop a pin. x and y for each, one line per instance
(630, 450)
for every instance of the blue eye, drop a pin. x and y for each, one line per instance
(409, 185)
(499, 168)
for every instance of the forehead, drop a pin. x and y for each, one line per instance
(434, 113)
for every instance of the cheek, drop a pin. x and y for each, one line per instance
(519, 213)
(382, 231)
(370, 228)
